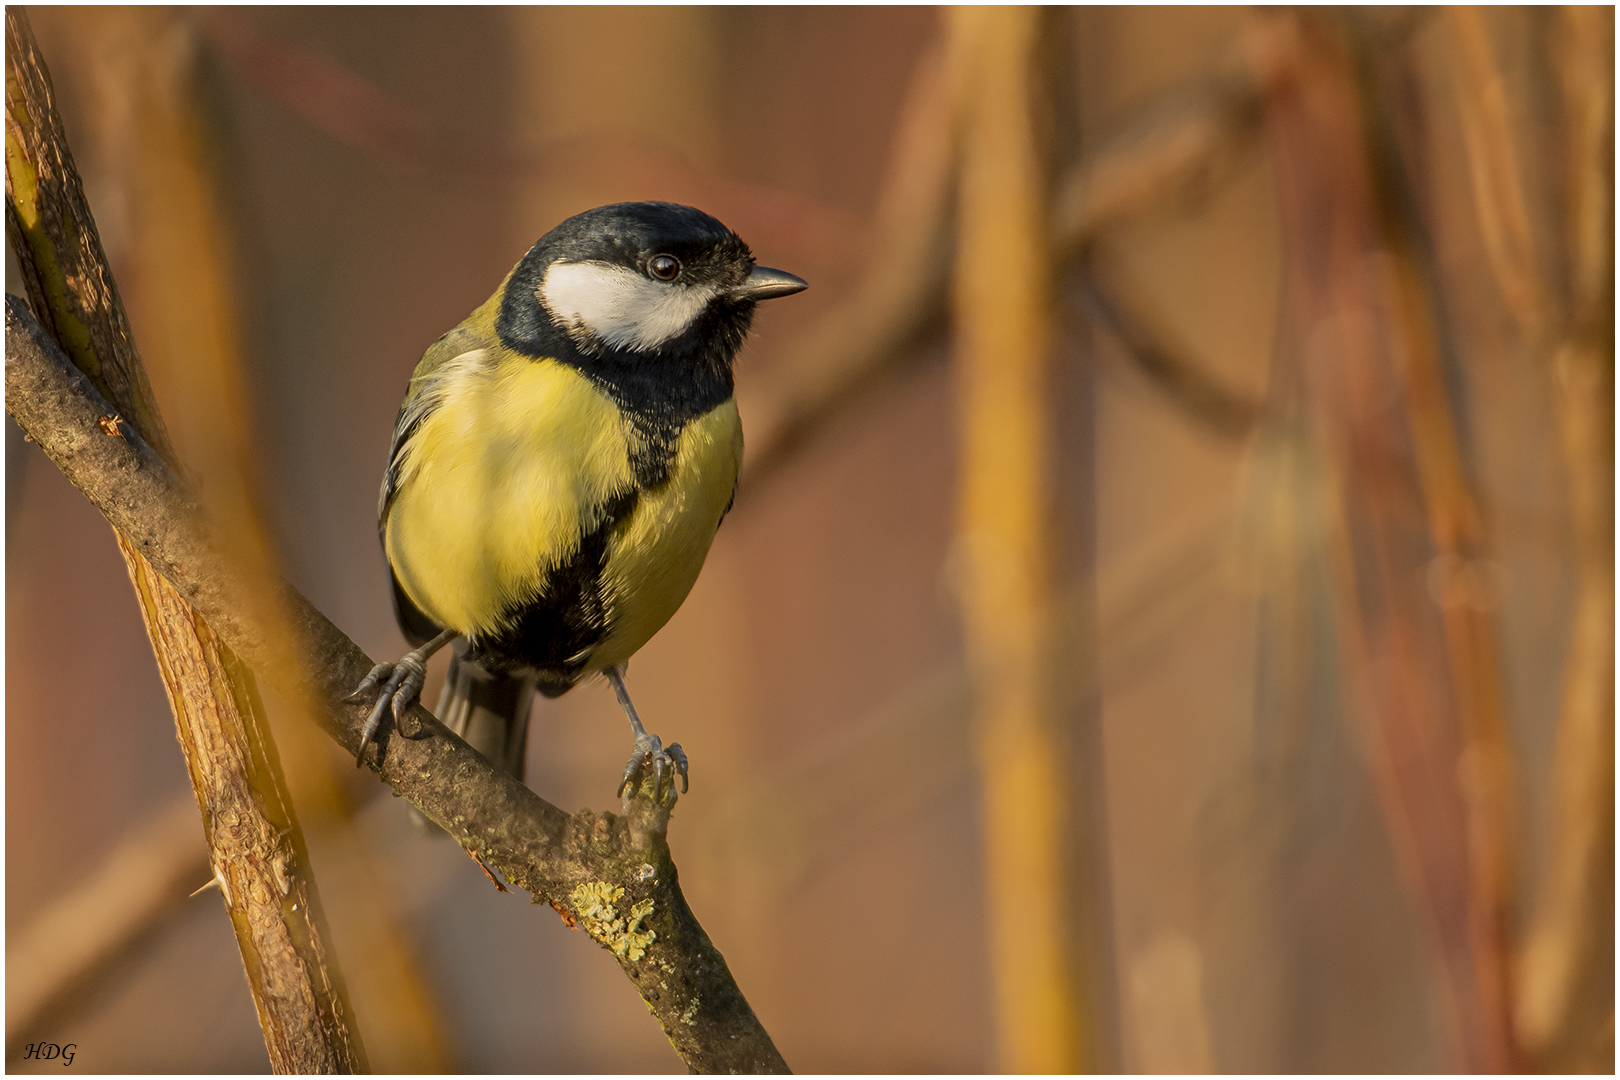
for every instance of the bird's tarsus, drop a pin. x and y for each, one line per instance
(649, 751)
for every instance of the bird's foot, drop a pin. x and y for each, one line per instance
(665, 763)
(399, 684)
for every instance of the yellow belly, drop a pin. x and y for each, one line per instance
(654, 559)
(506, 475)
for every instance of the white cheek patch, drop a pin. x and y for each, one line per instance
(618, 306)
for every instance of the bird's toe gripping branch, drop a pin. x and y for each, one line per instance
(398, 684)
(666, 765)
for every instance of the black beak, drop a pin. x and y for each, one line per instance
(767, 284)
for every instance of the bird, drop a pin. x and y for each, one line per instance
(558, 469)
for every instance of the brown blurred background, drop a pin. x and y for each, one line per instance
(1322, 501)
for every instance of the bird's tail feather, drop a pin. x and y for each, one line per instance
(490, 710)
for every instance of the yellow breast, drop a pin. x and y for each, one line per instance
(498, 484)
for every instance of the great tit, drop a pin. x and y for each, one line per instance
(559, 467)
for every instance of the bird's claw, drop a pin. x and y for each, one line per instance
(666, 764)
(371, 680)
(400, 686)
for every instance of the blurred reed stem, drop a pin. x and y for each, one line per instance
(1004, 316)
(1461, 566)
(259, 856)
(1494, 172)
(1562, 1012)
(1565, 1010)
(142, 78)
(1361, 311)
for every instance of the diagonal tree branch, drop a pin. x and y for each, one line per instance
(609, 874)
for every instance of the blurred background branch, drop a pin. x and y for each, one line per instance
(82, 936)
(1002, 293)
(1183, 380)
(1565, 1013)
(1171, 150)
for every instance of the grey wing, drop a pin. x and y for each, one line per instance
(421, 399)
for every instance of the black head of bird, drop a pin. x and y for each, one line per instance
(560, 464)
(637, 280)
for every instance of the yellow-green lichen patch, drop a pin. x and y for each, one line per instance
(594, 903)
(689, 1016)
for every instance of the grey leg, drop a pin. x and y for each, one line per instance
(666, 764)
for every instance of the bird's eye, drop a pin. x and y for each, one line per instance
(664, 267)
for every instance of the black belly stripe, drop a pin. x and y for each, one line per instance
(553, 634)
(653, 450)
